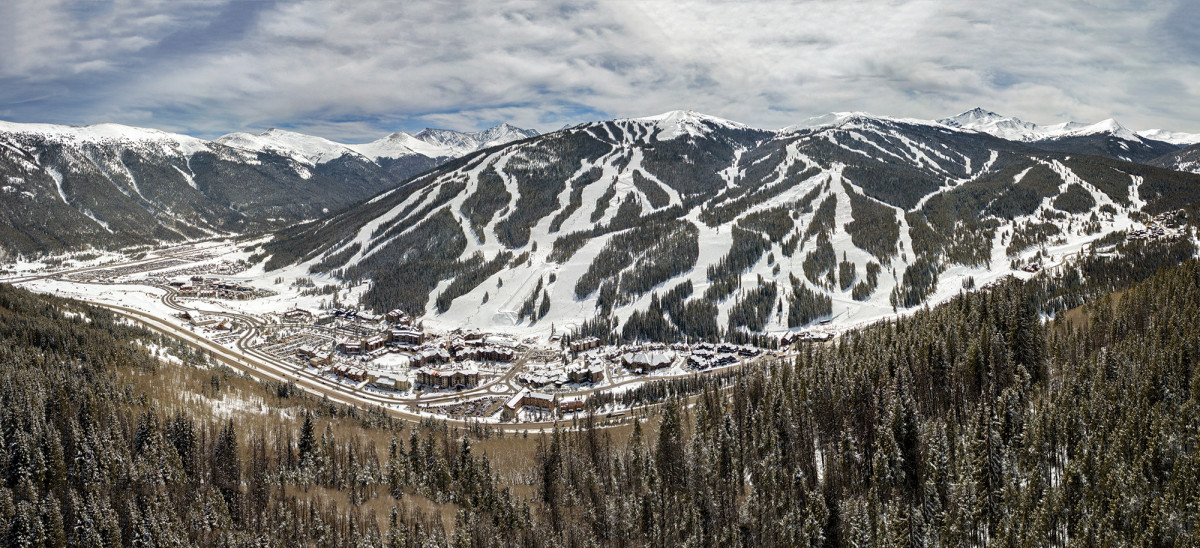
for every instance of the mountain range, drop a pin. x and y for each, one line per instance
(670, 226)
(109, 185)
(684, 225)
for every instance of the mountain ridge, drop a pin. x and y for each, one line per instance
(109, 185)
(686, 225)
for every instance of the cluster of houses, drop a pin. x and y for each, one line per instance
(644, 358)
(584, 344)
(793, 337)
(355, 374)
(708, 356)
(1160, 226)
(314, 356)
(352, 317)
(649, 360)
(406, 338)
(540, 400)
(588, 372)
(458, 349)
(1152, 231)
(457, 377)
(199, 286)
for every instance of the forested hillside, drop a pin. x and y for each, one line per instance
(67, 188)
(970, 423)
(848, 221)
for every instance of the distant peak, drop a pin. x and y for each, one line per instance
(685, 122)
(979, 112)
(975, 117)
(1110, 126)
(839, 119)
(684, 115)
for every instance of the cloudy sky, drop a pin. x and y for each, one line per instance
(354, 70)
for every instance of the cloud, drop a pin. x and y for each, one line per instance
(355, 70)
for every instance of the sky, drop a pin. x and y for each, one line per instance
(356, 70)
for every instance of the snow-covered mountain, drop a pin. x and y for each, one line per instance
(687, 123)
(441, 143)
(65, 187)
(1107, 137)
(684, 224)
(1173, 137)
(304, 148)
(1012, 129)
(431, 143)
(1015, 129)
(456, 143)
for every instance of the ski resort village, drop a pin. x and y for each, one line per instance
(390, 360)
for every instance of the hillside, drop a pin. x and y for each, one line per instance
(1185, 159)
(967, 423)
(688, 226)
(109, 186)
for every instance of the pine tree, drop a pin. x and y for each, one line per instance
(227, 468)
(307, 440)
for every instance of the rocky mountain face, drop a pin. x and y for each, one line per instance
(110, 186)
(689, 226)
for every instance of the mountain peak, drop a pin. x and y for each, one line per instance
(441, 143)
(674, 123)
(303, 147)
(980, 119)
(979, 111)
(107, 132)
(1014, 129)
(838, 119)
(1173, 137)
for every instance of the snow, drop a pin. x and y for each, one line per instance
(994, 124)
(58, 181)
(107, 133)
(1173, 137)
(440, 143)
(686, 122)
(93, 217)
(399, 145)
(849, 119)
(1108, 126)
(306, 148)
(1015, 129)
(433, 143)
(860, 133)
(191, 181)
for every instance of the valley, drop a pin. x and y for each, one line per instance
(529, 282)
(261, 336)
(599, 274)
(276, 327)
